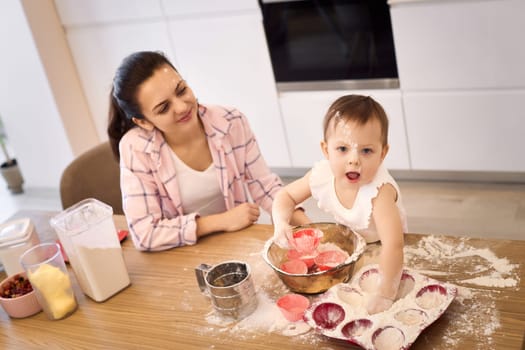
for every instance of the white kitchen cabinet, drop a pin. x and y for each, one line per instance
(81, 12)
(225, 60)
(206, 7)
(303, 114)
(466, 130)
(219, 47)
(459, 44)
(99, 50)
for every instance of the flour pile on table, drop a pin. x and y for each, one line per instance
(491, 271)
(479, 274)
(473, 312)
(267, 318)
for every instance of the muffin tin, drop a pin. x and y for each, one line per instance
(340, 312)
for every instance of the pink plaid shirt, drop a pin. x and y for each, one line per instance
(148, 178)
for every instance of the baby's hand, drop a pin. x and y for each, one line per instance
(377, 303)
(281, 234)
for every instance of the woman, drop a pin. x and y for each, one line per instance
(187, 169)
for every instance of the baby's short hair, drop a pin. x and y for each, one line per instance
(357, 108)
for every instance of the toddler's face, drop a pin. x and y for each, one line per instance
(354, 151)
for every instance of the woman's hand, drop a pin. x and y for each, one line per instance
(231, 220)
(241, 216)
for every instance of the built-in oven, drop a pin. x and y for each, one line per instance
(330, 44)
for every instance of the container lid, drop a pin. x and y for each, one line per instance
(15, 232)
(81, 216)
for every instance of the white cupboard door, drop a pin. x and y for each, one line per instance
(98, 51)
(303, 114)
(81, 12)
(226, 62)
(207, 7)
(466, 131)
(459, 44)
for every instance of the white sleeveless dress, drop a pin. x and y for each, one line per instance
(358, 217)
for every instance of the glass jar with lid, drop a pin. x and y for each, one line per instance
(89, 237)
(16, 237)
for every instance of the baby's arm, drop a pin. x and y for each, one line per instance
(284, 205)
(388, 224)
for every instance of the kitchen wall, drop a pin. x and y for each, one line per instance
(218, 46)
(46, 118)
(460, 107)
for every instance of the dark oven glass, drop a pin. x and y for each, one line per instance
(329, 39)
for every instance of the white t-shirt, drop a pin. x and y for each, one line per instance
(358, 217)
(199, 190)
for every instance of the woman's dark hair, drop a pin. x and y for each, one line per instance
(123, 105)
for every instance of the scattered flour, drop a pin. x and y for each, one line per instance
(184, 304)
(473, 313)
(492, 281)
(267, 318)
(499, 272)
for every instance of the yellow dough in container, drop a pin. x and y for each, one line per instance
(55, 287)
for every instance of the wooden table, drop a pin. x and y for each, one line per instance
(164, 309)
